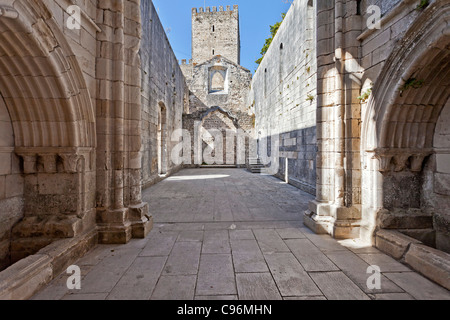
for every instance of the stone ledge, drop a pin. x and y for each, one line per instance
(432, 263)
(393, 243)
(25, 278)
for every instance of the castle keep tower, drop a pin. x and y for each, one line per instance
(215, 33)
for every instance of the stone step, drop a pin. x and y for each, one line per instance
(405, 219)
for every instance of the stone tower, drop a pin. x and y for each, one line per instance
(215, 33)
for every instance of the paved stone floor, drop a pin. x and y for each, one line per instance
(228, 234)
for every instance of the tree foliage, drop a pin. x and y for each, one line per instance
(273, 31)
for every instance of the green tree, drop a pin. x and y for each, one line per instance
(273, 31)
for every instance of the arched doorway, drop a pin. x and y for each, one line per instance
(53, 125)
(399, 127)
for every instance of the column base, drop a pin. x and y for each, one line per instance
(113, 226)
(339, 222)
(141, 220)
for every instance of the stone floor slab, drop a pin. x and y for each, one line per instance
(386, 263)
(242, 235)
(311, 258)
(269, 241)
(216, 242)
(356, 269)
(291, 233)
(190, 235)
(289, 275)
(175, 288)
(337, 286)
(216, 275)
(160, 244)
(257, 286)
(183, 259)
(140, 279)
(418, 286)
(106, 274)
(247, 257)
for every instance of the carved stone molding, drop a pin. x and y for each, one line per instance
(402, 159)
(54, 160)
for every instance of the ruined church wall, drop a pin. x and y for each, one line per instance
(163, 83)
(11, 185)
(284, 95)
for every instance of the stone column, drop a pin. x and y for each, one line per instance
(336, 210)
(120, 216)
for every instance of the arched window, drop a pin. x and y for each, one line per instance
(217, 82)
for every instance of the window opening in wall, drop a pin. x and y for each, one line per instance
(281, 63)
(213, 29)
(265, 82)
(218, 82)
(358, 7)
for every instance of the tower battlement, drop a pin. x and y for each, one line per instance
(215, 9)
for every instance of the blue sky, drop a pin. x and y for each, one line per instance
(256, 17)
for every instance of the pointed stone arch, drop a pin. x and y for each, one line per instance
(401, 116)
(53, 123)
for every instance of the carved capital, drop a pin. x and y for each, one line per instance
(29, 163)
(70, 162)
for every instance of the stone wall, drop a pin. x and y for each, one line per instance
(215, 32)
(284, 94)
(11, 186)
(47, 156)
(163, 86)
(435, 192)
(219, 89)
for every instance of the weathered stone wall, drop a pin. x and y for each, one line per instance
(163, 84)
(436, 182)
(49, 93)
(219, 86)
(215, 32)
(233, 98)
(284, 93)
(406, 185)
(11, 185)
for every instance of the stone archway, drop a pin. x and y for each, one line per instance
(399, 126)
(53, 123)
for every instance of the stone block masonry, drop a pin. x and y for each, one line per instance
(284, 94)
(164, 95)
(215, 33)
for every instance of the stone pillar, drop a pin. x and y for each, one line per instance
(336, 210)
(120, 211)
